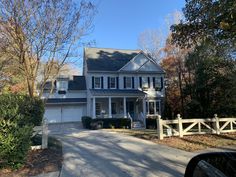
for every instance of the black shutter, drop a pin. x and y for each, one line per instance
(124, 82)
(102, 82)
(161, 83)
(148, 82)
(93, 82)
(154, 82)
(117, 82)
(108, 82)
(140, 82)
(132, 82)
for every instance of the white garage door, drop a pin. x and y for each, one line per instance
(64, 113)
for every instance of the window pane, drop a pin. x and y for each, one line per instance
(145, 82)
(112, 82)
(151, 107)
(62, 85)
(97, 82)
(128, 82)
(157, 82)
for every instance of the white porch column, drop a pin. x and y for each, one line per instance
(124, 105)
(109, 107)
(94, 107)
(144, 107)
(155, 106)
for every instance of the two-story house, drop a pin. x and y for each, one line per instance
(119, 84)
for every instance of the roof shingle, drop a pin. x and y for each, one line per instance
(102, 59)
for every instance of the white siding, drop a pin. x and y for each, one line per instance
(69, 94)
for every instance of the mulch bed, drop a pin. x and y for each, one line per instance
(38, 162)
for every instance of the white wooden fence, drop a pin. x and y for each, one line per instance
(44, 131)
(180, 127)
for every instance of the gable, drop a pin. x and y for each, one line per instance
(142, 63)
(150, 66)
(135, 63)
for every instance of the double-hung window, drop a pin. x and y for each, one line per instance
(62, 85)
(145, 82)
(157, 83)
(97, 82)
(112, 82)
(128, 82)
(153, 107)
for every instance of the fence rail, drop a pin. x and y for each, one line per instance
(180, 127)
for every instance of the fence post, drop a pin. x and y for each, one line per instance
(45, 135)
(180, 125)
(159, 127)
(217, 124)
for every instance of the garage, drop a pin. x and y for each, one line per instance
(65, 110)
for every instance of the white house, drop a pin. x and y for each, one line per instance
(115, 84)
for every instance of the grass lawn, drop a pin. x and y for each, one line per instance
(188, 143)
(39, 161)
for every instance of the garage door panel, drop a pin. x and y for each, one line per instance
(53, 114)
(71, 113)
(64, 113)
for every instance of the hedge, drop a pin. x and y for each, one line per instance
(18, 115)
(97, 123)
(112, 122)
(86, 121)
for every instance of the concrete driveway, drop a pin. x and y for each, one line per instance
(104, 154)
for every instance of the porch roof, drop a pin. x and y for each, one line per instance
(117, 92)
(65, 100)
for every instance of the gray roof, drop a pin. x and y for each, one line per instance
(103, 59)
(65, 100)
(77, 83)
(116, 92)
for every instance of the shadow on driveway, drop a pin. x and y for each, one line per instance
(103, 154)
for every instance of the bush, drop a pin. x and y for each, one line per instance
(31, 109)
(14, 143)
(151, 123)
(86, 121)
(112, 122)
(19, 114)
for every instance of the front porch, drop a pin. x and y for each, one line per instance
(118, 104)
(118, 107)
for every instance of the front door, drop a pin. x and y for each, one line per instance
(130, 108)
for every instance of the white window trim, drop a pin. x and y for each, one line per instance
(156, 103)
(130, 82)
(115, 82)
(100, 84)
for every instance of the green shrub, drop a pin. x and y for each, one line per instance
(113, 122)
(18, 115)
(31, 109)
(86, 121)
(14, 143)
(151, 123)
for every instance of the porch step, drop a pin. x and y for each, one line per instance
(137, 125)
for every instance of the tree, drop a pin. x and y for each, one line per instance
(213, 85)
(174, 65)
(42, 35)
(207, 19)
(152, 41)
